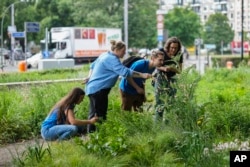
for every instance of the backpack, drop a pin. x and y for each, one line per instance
(130, 60)
(174, 62)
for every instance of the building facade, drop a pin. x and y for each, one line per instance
(230, 8)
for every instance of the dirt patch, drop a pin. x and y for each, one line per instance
(10, 151)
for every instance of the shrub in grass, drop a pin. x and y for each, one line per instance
(227, 94)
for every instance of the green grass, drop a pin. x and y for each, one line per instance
(207, 110)
(45, 75)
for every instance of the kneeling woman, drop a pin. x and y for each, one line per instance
(61, 124)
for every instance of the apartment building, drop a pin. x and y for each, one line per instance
(204, 8)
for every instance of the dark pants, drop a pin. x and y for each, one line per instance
(98, 107)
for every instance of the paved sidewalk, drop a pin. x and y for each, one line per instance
(10, 151)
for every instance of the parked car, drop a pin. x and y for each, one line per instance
(144, 52)
(33, 61)
(18, 54)
(6, 53)
(28, 55)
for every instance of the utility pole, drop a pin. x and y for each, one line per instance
(3, 16)
(12, 39)
(126, 25)
(242, 29)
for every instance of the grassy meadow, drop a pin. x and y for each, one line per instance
(208, 110)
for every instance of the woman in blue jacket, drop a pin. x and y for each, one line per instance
(105, 71)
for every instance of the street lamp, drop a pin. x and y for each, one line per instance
(126, 25)
(3, 15)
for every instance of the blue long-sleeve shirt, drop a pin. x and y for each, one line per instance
(105, 71)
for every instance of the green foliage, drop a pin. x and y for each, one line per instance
(221, 61)
(142, 23)
(44, 75)
(182, 107)
(86, 13)
(110, 139)
(184, 24)
(206, 110)
(33, 155)
(227, 106)
(217, 30)
(24, 109)
(13, 126)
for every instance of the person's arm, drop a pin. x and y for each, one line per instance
(73, 121)
(136, 74)
(137, 88)
(163, 68)
(169, 68)
(85, 80)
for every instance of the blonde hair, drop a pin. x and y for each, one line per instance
(117, 45)
(156, 53)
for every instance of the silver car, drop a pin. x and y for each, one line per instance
(19, 54)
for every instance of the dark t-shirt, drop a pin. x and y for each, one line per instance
(170, 73)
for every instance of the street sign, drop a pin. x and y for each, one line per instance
(11, 29)
(18, 34)
(160, 32)
(160, 18)
(198, 41)
(32, 26)
(160, 11)
(160, 25)
(160, 37)
(209, 46)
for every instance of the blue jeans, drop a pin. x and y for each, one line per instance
(59, 132)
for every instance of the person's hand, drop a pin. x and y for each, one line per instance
(166, 69)
(146, 75)
(140, 91)
(85, 80)
(94, 120)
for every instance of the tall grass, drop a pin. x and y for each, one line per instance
(207, 110)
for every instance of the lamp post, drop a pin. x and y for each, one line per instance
(242, 29)
(126, 25)
(3, 15)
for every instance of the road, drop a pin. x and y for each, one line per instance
(199, 62)
(14, 68)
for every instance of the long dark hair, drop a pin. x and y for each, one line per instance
(70, 99)
(170, 41)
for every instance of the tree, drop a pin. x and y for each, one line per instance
(20, 16)
(184, 24)
(142, 24)
(88, 13)
(217, 31)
